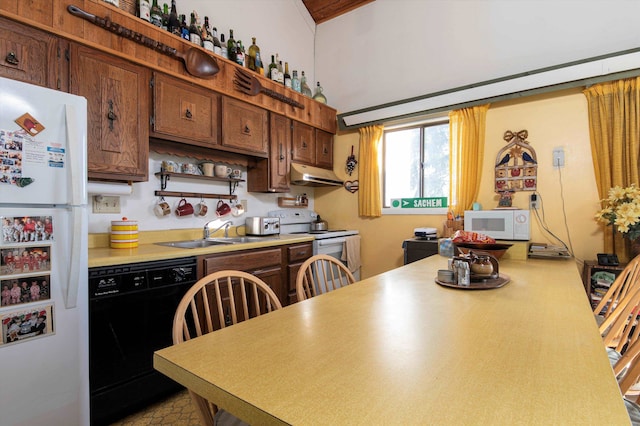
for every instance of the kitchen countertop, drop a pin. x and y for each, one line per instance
(102, 255)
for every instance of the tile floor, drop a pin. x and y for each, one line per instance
(176, 410)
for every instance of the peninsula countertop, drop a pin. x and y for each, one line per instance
(399, 348)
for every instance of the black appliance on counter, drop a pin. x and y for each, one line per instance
(418, 248)
(131, 309)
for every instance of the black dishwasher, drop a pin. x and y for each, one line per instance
(131, 309)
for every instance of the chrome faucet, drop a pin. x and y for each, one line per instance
(208, 232)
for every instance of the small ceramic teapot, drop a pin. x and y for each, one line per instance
(481, 265)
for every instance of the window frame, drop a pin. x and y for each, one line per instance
(408, 126)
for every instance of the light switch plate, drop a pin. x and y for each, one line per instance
(106, 204)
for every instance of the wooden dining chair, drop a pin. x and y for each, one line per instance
(321, 274)
(216, 301)
(628, 279)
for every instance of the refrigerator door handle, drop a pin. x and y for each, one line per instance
(73, 277)
(77, 186)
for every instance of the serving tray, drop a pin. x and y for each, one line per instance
(476, 284)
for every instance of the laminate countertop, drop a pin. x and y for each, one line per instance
(397, 348)
(100, 254)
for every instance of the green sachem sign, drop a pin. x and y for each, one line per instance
(419, 203)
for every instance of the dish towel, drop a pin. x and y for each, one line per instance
(351, 252)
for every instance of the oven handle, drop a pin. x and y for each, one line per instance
(331, 241)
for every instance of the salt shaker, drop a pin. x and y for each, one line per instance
(464, 273)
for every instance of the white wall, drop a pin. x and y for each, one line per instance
(391, 50)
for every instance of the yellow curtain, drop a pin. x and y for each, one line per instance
(370, 192)
(466, 143)
(614, 120)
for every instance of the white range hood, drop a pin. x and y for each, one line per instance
(302, 174)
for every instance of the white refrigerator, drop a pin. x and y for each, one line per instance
(43, 257)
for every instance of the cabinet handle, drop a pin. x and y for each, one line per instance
(304, 144)
(111, 116)
(12, 58)
(325, 150)
(281, 155)
(188, 113)
(247, 129)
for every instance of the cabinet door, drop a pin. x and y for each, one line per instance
(304, 148)
(296, 256)
(117, 95)
(245, 128)
(324, 149)
(279, 155)
(32, 56)
(185, 112)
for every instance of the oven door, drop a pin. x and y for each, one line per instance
(332, 247)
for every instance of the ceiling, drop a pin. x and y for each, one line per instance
(323, 10)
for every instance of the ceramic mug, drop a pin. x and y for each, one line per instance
(222, 209)
(236, 173)
(201, 209)
(238, 209)
(207, 168)
(184, 208)
(190, 168)
(171, 166)
(222, 171)
(162, 208)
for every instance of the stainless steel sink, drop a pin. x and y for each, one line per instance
(208, 242)
(191, 244)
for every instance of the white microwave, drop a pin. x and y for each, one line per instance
(501, 224)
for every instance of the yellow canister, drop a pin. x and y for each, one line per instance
(124, 233)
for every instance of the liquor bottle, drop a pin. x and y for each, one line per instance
(254, 51)
(319, 96)
(165, 17)
(174, 21)
(223, 47)
(144, 10)
(207, 36)
(194, 34)
(295, 82)
(273, 69)
(184, 30)
(231, 47)
(239, 53)
(217, 48)
(280, 72)
(287, 76)
(304, 87)
(156, 14)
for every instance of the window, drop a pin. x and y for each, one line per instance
(416, 165)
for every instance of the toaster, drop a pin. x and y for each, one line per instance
(262, 225)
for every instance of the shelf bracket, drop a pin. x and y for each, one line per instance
(233, 185)
(163, 179)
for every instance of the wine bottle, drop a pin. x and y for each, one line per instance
(165, 17)
(287, 76)
(304, 87)
(223, 47)
(207, 37)
(280, 72)
(239, 53)
(184, 30)
(254, 51)
(273, 69)
(194, 34)
(217, 48)
(232, 47)
(319, 96)
(144, 10)
(295, 82)
(174, 22)
(156, 14)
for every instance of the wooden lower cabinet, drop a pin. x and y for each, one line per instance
(277, 266)
(117, 93)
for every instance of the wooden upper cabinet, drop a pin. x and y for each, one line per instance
(324, 149)
(303, 145)
(279, 154)
(185, 112)
(32, 56)
(117, 95)
(245, 128)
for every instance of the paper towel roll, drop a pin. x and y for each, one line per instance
(103, 188)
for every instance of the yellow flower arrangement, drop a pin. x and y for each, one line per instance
(622, 210)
